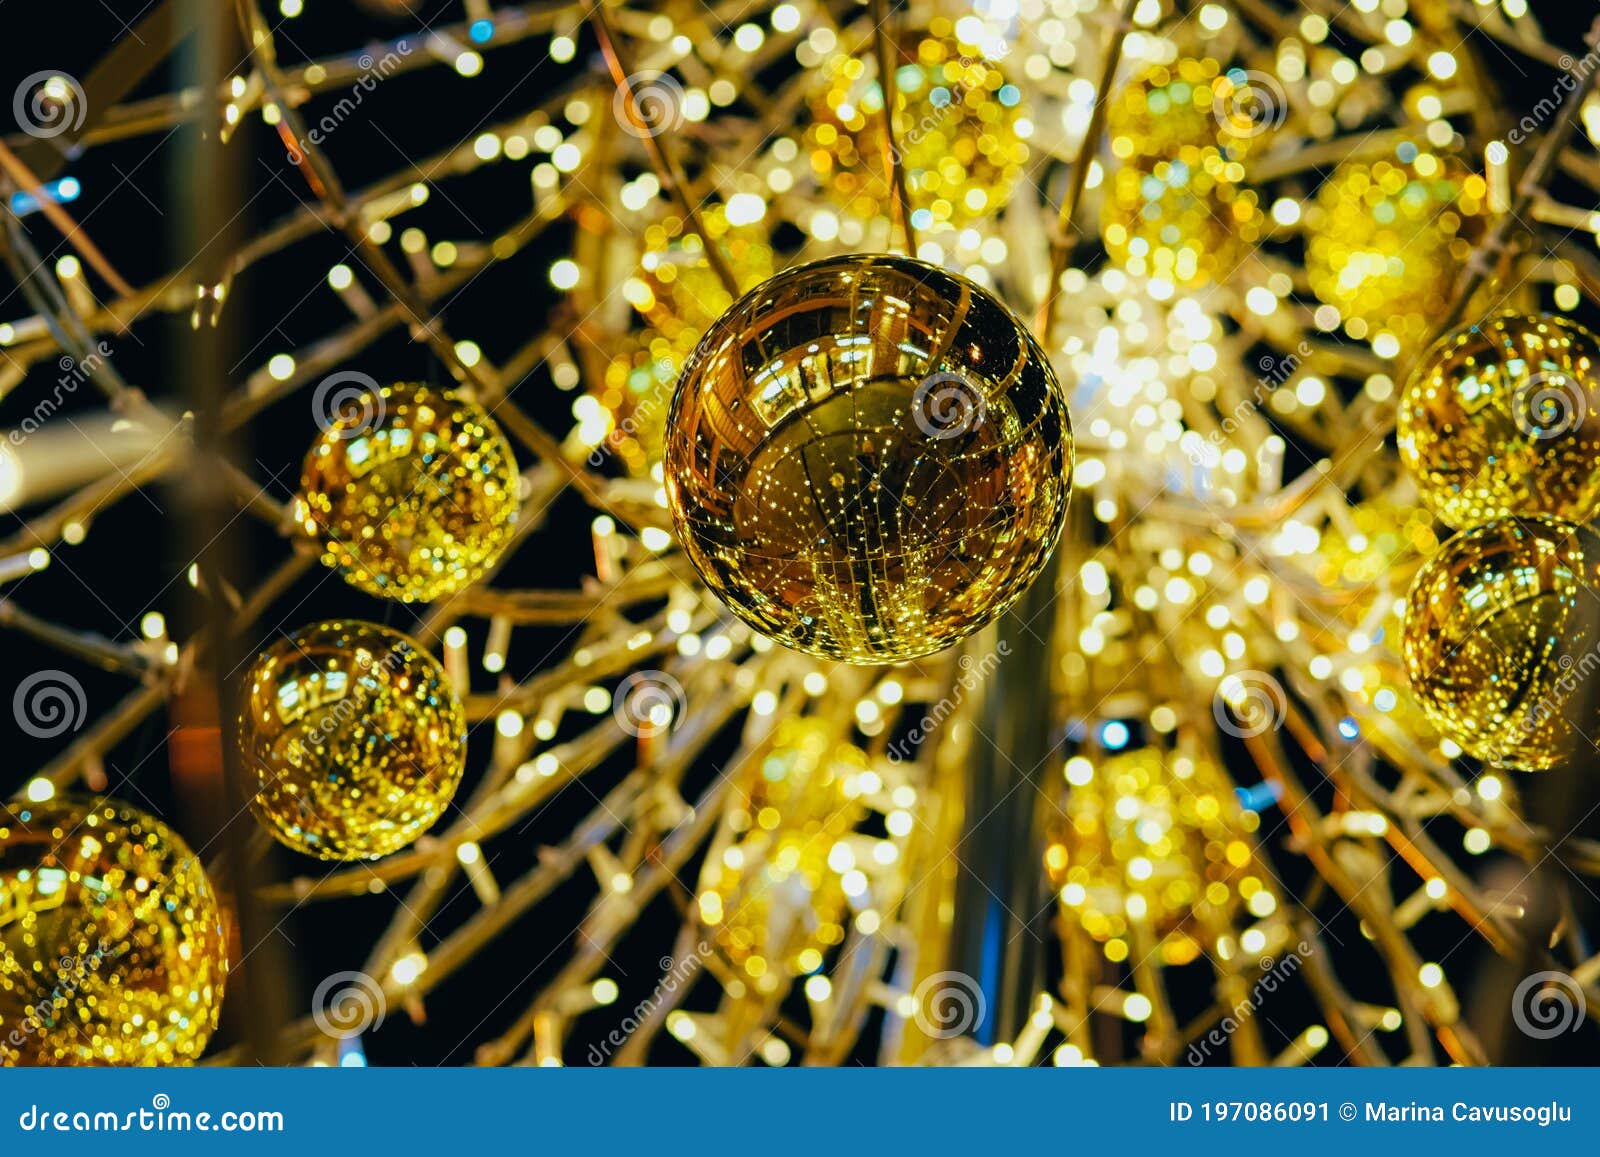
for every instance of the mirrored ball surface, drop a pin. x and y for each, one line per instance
(111, 943)
(1503, 418)
(354, 737)
(1500, 641)
(868, 458)
(413, 492)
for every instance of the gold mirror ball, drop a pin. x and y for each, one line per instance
(868, 458)
(413, 493)
(111, 943)
(1501, 633)
(1503, 418)
(355, 738)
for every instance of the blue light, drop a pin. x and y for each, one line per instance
(61, 192)
(481, 31)
(1114, 735)
(1348, 728)
(1260, 797)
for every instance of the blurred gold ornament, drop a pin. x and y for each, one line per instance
(677, 289)
(629, 407)
(1174, 209)
(868, 458)
(413, 491)
(1503, 418)
(1149, 851)
(1386, 240)
(111, 943)
(772, 891)
(356, 740)
(1501, 636)
(959, 128)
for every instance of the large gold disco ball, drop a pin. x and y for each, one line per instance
(413, 491)
(1500, 638)
(868, 458)
(355, 739)
(1503, 418)
(111, 943)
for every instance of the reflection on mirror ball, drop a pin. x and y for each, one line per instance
(354, 737)
(868, 458)
(111, 943)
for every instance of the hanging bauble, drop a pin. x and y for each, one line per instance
(354, 737)
(1503, 418)
(1174, 209)
(1386, 240)
(111, 943)
(772, 893)
(868, 458)
(959, 128)
(1501, 631)
(1150, 848)
(413, 491)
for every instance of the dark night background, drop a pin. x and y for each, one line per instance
(134, 556)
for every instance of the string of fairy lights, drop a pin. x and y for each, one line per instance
(819, 363)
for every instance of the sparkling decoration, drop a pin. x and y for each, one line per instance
(960, 125)
(868, 458)
(1150, 848)
(773, 889)
(355, 737)
(1234, 231)
(413, 492)
(1174, 209)
(111, 943)
(1503, 418)
(1388, 238)
(676, 288)
(1501, 631)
